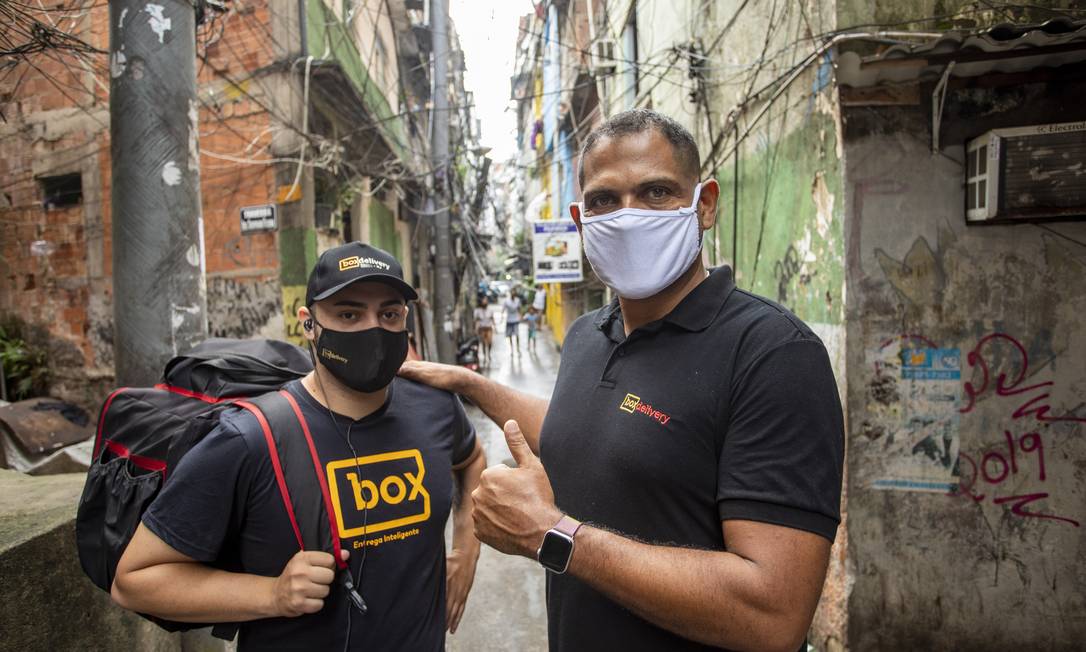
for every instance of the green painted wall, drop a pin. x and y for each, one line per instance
(383, 232)
(791, 244)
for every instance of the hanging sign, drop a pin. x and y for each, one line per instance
(556, 252)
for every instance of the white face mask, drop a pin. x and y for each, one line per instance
(639, 252)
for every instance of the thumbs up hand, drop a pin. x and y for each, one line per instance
(513, 508)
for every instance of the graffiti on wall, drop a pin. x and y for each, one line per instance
(1022, 451)
(920, 439)
(1006, 385)
(293, 298)
(241, 307)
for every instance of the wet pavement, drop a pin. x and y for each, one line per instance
(506, 609)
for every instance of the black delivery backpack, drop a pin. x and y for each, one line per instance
(143, 432)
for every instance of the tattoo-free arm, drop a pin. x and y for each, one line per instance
(460, 563)
(154, 578)
(760, 595)
(497, 401)
(467, 479)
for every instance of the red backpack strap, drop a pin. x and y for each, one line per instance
(280, 478)
(321, 478)
(299, 472)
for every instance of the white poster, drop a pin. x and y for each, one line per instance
(915, 416)
(556, 252)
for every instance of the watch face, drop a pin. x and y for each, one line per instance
(555, 552)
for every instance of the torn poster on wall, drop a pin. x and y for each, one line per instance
(921, 438)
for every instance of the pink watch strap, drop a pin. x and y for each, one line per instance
(568, 526)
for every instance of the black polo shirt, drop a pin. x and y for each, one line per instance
(724, 409)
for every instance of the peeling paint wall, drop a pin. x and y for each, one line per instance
(790, 246)
(782, 194)
(997, 562)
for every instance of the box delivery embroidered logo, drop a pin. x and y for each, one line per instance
(353, 262)
(390, 488)
(633, 405)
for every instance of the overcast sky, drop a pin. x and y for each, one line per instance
(488, 34)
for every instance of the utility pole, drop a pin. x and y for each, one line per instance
(443, 299)
(159, 288)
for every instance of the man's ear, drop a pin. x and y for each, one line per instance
(575, 213)
(707, 203)
(305, 317)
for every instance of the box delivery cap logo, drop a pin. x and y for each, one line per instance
(390, 489)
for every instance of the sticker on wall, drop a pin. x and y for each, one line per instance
(916, 396)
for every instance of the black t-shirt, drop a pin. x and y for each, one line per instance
(724, 409)
(222, 505)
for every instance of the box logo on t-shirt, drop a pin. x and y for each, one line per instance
(378, 492)
(632, 404)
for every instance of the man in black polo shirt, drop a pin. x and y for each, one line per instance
(389, 448)
(695, 430)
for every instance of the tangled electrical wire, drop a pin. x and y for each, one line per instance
(24, 35)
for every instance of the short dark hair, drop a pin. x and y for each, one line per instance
(636, 121)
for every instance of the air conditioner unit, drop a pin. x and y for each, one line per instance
(603, 56)
(1027, 173)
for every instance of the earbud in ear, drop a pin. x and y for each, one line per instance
(308, 324)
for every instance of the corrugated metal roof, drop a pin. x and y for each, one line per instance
(1001, 49)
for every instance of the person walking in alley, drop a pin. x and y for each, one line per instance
(531, 317)
(539, 302)
(511, 306)
(390, 450)
(682, 485)
(484, 327)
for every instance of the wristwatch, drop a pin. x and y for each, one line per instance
(557, 547)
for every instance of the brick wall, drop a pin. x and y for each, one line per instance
(57, 262)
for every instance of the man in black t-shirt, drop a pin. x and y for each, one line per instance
(389, 449)
(687, 488)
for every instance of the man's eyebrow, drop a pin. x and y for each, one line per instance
(393, 302)
(657, 181)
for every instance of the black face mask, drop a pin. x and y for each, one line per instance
(365, 361)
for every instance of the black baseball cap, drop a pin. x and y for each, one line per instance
(340, 266)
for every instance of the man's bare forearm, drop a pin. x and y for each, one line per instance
(716, 598)
(502, 403)
(497, 401)
(467, 477)
(194, 593)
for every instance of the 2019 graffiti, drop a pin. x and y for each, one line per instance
(998, 466)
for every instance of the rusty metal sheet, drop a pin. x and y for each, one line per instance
(42, 425)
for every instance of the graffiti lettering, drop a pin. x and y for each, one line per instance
(1034, 406)
(294, 327)
(996, 467)
(785, 270)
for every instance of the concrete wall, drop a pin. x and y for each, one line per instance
(999, 563)
(49, 604)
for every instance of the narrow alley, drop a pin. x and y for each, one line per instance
(506, 610)
(865, 429)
